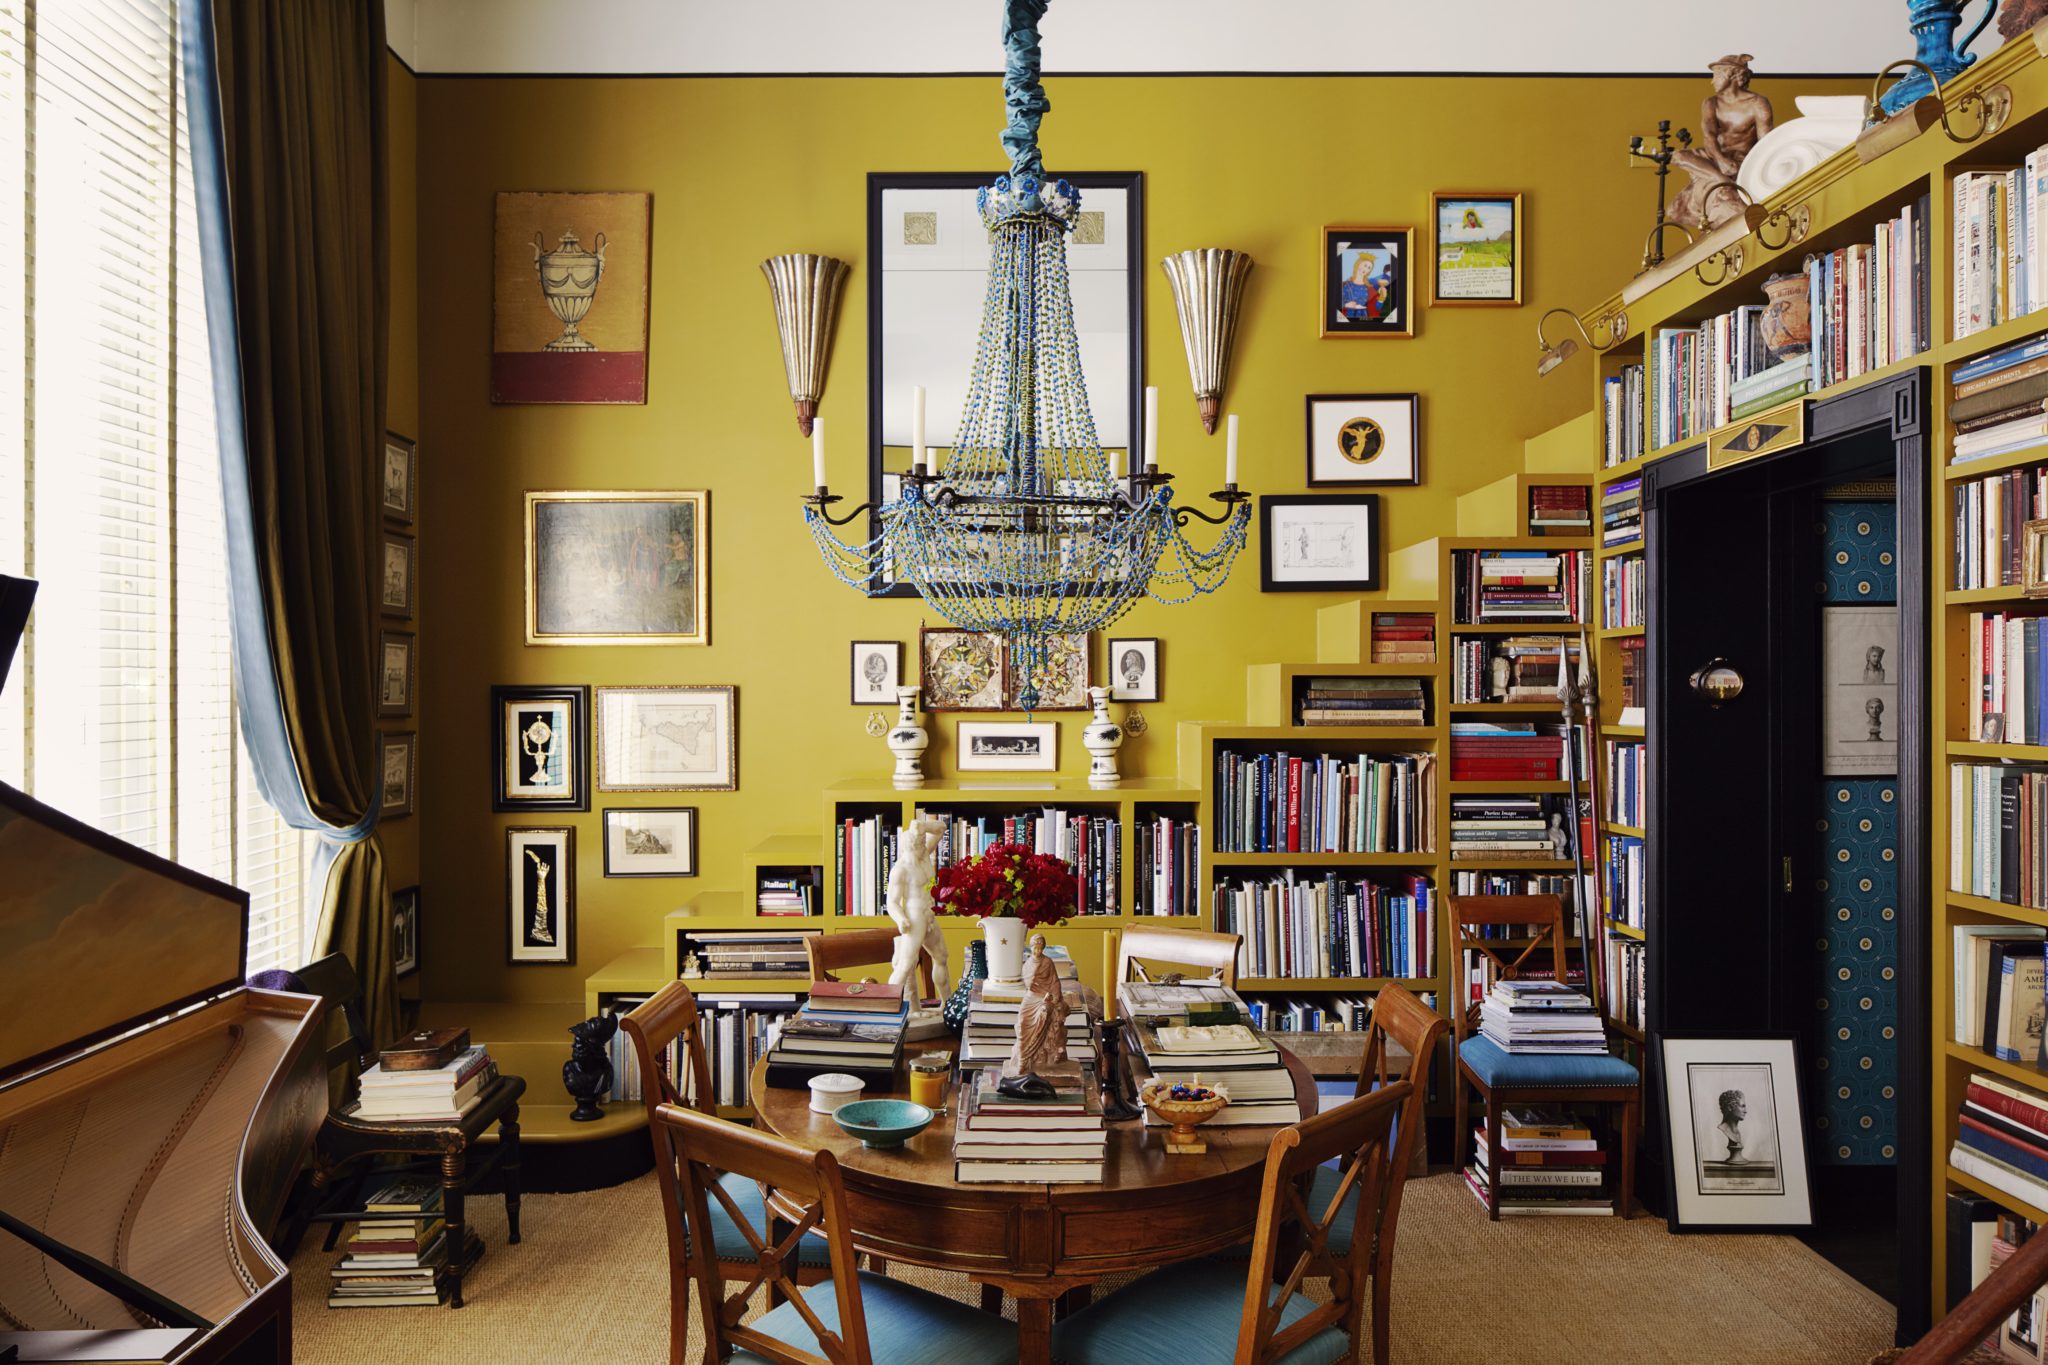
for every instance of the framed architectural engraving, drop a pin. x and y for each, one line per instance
(1738, 1140)
(400, 496)
(400, 768)
(651, 842)
(540, 748)
(1009, 746)
(398, 583)
(1319, 544)
(540, 895)
(668, 739)
(397, 672)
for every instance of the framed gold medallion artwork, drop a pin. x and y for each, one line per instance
(541, 748)
(569, 297)
(1478, 249)
(618, 568)
(1357, 439)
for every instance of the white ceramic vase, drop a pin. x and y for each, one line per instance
(1102, 739)
(1005, 937)
(907, 740)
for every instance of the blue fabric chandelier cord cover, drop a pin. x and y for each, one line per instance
(1022, 93)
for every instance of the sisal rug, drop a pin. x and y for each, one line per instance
(589, 1284)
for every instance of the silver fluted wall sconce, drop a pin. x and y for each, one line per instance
(1208, 287)
(806, 293)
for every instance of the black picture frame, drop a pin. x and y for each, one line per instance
(614, 812)
(1111, 672)
(879, 183)
(894, 648)
(1413, 403)
(1659, 1083)
(1393, 241)
(1375, 551)
(576, 700)
(563, 840)
(405, 509)
(405, 931)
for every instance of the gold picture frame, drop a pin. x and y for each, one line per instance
(667, 738)
(2034, 562)
(1473, 208)
(618, 567)
(1387, 307)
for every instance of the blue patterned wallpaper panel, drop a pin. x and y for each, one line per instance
(1862, 552)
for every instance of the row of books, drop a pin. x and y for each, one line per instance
(1510, 668)
(787, 893)
(1519, 585)
(1623, 984)
(1998, 832)
(1506, 828)
(397, 1256)
(1336, 925)
(1998, 990)
(1091, 842)
(1624, 871)
(1550, 1164)
(1294, 803)
(1403, 637)
(1362, 701)
(1997, 271)
(1693, 371)
(1477, 882)
(1996, 401)
(1624, 593)
(1621, 402)
(1990, 519)
(1513, 751)
(1621, 511)
(2002, 1138)
(1560, 509)
(1982, 1236)
(1626, 798)
(1320, 1014)
(744, 954)
(1870, 303)
(1169, 866)
(2007, 680)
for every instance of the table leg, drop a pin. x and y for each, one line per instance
(452, 1166)
(1034, 1331)
(508, 1134)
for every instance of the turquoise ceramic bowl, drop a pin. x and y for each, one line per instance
(883, 1123)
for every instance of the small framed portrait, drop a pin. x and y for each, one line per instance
(2034, 560)
(1859, 676)
(1738, 1138)
(1134, 669)
(668, 739)
(1477, 249)
(1363, 438)
(996, 746)
(1368, 285)
(651, 843)
(1329, 543)
(877, 671)
(961, 670)
(397, 672)
(400, 497)
(541, 748)
(397, 591)
(618, 568)
(400, 767)
(1063, 678)
(540, 895)
(405, 931)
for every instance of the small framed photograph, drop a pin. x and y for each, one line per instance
(877, 671)
(2035, 559)
(540, 895)
(397, 593)
(1363, 438)
(999, 746)
(1859, 668)
(400, 767)
(651, 842)
(1738, 1138)
(1134, 669)
(397, 673)
(625, 568)
(961, 670)
(541, 748)
(1319, 544)
(405, 931)
(668, 739)
(400, 498)
(1368, 286)
(1478, 249)
(1063, 679)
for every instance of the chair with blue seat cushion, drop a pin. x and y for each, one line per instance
(1500, 1077)
(848, 1318)
(1221, 1312)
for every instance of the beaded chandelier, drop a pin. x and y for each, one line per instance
(1029, 531)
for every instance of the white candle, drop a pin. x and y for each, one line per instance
(1230, 452)
(917, 453)
(817, 452)
(1151, 429)
(1116, 465)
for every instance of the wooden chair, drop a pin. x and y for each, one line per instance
(1216, 1312)
(1209, 953)
(851, 1318)
(833, 953)
(670, 1017)
(1500, 1077)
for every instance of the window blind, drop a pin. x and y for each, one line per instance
(121, 710)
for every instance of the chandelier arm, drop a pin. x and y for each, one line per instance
(819, 502)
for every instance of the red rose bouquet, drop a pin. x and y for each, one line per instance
(1008, 879)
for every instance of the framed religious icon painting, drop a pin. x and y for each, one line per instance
(400, 496)
(877, 671)
(668, 739)
(1737, 1154)
(399, 764)
(540, 895)
(607, 568)
(397, 672)
(569, 297)
(1478, 249)
(1363, 438)
(1368, 282)
(961, 670)
(398, 579)
(1329, 543)
(645, 842)
(1134, 668)
(540, 748)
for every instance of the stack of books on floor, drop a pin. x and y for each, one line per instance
(2007, 680)
(740, 954)
(1501, 828)
(395, 1091)
(1483, 751)
(1621, 511)
(2002, 1138)
(1334, 925)
(786, 894)
(1363, 701)
(852, 1027)
(398, 1255)
(1997, 401)
(991, 1028)
(1188, 1034)
(999, 1138)
(1564, 509)
(1549, 1163)
(1531, 675)
(1168, 874)
(1622, 398)
(1526, 1016)
(1990, 517)
(1403, 637)
(1998, 832)
(1520, 585)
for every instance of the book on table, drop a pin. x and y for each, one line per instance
(1059, 1138)
(443, 1092)
(820, 1038)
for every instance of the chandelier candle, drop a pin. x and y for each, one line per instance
(818, 452)
(918, 454)
(1230, 452)
(1151, 430)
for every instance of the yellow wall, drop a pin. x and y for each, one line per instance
(401, 837)
(744, 169)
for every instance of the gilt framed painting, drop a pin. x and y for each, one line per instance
(1478, 249)
(618, 568)
(569, 279)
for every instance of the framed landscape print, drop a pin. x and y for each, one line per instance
(401, 483)
(540, 895)
(877, 671)
(1738, 1139)
(961, 670)
(1319, 544)
(1859, 679)
(618, 568)
(398, 584)
(569, 297)
(1363, 438)
(1368, 285)
(400, 768)
(397, 672)
(1003, 746)
(540, 748)
(668, 739)
(1134, 669)
(405, 931)
(651, 843)
(1478, 249)
(1063, 679)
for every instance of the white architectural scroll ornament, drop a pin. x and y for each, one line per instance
(1826, 124)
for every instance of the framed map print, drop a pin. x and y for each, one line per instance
(606, 568)
(668, 739)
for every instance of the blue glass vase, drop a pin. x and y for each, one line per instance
(1933, 24)
(976, 969)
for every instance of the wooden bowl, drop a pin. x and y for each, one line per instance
(1183, 1115)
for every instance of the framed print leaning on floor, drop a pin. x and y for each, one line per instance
(1738, 1139)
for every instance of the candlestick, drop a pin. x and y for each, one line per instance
(818, 451)
(917, 453)
(1230, 452)
(1151, 429)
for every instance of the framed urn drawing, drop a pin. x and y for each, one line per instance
(651, 842)
(399, 764)
(569, 279)
(1368, 282)
(668, 739)
(1737, 1155)
(540, 748)
(1319, 544)
(618, 568)
(1363, 438)
(540, 895)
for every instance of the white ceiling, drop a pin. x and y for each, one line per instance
(622, 37)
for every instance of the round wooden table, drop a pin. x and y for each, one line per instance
(1039, 1241)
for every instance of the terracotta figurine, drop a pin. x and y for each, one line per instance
(909, 905)
(1042, 1019)
(2016, 17)
(1731, 121)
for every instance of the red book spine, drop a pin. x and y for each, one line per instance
(2019, 1111)
(1294, 805)
(2032, 1148)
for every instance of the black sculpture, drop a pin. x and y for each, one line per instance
(588, 1072)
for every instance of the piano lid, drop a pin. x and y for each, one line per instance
(17, 595)
(100, 936)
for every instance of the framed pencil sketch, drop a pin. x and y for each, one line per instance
(397, 592)
(1368, 282)
(540, 895)
(1329, 543)
(618, 568)
(1859, 668)
(405, 931)
(651, 842)
(540, 748)
(1134, 669)
(1003, 746)
(877, 671)
(1363, 438)
(668, 739)
(1737, 1155)
(400, 767)
(1477, 257)
(400, 497)
(397, 672)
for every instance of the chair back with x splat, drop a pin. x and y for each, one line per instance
(1546, 913)
(706, 1148)
(1356, 1133)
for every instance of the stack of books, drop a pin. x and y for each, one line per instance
(1998, 271)
(1535, 1016)
(1336, 925)
(1560, 509)
(1169, 866)
(1363, 701)
(1622, 402)
(1532, 667)
(1627, 801)
(1291, 803)
(1549, 1163)
(782, 893)
(1059, 1140)
(744, 954)
(1624, 593)
(1624, 875)
(1980, 953)
(441, 1093)
(2002, 1138)
(1502, 828)
(1998, 832)
(1403, 637)
(1770, 386)
(858, 1032)
(1990, 519)
(991, 1028)
(398, 1256)
(1520, 585)
(1483, 751)
(1176, 1043)
(1621, 512)
(1997, 401)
